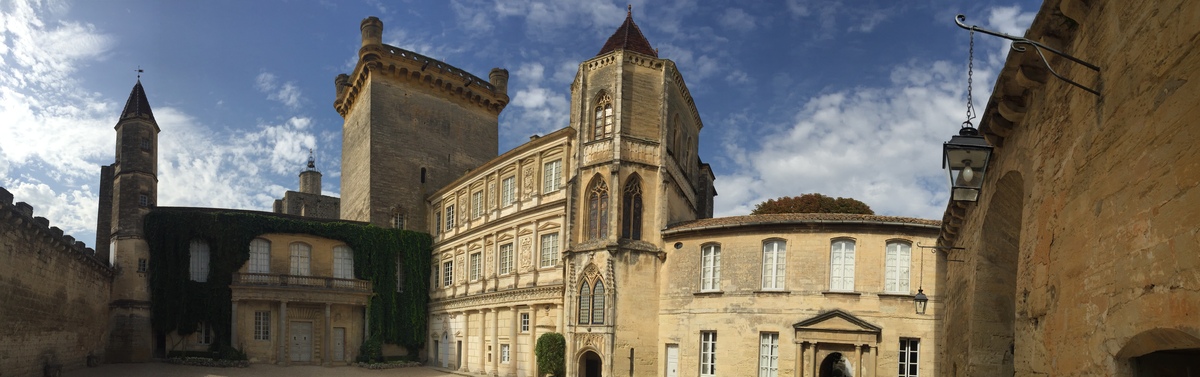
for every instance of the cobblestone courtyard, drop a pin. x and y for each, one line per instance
(265, 370)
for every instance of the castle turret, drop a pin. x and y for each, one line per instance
(499, 79)
(133, 192)
(372, 31)
(310, 178)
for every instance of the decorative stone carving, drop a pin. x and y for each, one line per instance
(529, 173)
(595, 341)
(491, 195)
(526, 252)
(536, 294)
(487, 266)
(461, 266)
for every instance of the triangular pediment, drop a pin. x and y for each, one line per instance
(839, 321)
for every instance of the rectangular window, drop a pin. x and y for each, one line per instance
(506, 259)
(435, 277)
(551, 176)
(504, 353)
(774, 255)
(768, 354)
(708, 353)
(145, 144)
(198, 263)
(204, 335)
(301, 258)
(841, 266)
(343, 262)
(437, 222)
(143, 200)
(508, 191)
(710, 270)
(525, 322)
(142, 264)
(898, 256)
(260, 256)
(448, 274)
(909, 354)
(476, 204)
(449, 217)
(262, 325)
(549, 250)
(476, 266)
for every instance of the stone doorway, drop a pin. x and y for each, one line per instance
(1170, 363)
(590, 365)
(836, 365)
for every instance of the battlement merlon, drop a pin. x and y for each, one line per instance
(429, 75)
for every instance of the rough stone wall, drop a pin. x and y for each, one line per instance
(54, 295)
(1095, 195)
(309, 205)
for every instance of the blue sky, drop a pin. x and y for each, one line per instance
(846, 99)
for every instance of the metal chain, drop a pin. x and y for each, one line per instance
(970, 78)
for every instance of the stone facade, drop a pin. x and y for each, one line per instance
(1080, 257)
(55, 295)
(308, 205)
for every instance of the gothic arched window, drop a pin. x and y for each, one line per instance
(602, 126)
(597, 209)
(591, 297)
(585, 303)
(598, 303)
(631, 209)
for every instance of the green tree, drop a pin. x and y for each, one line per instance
(812, 203)
(551, 351)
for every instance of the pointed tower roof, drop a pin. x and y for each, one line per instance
(628, 37)
(137, 105)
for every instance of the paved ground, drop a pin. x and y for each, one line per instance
(265, 370)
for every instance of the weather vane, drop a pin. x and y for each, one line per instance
(139, 72)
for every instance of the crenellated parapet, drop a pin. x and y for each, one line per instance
(419, 72)
(19, 216)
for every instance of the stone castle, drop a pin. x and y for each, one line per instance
(603, 232)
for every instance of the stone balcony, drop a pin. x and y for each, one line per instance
(317, 289)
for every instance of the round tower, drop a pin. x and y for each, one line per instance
(499, 79)
(340, 82)
(310, 178)
(372, 31)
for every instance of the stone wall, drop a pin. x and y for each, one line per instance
(1080, 256)
(308, 205)
(54, 295)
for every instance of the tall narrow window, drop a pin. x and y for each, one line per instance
(841, 266)
(449, 217)
(774, 257)
(508, 191)
(710, 268)
(524, 322)
(598, 209)
(909, 355)
(448, 273)
(398, 218)
(198, 260)
(343, 262)
(631, 212)
(598, 303)
(476, 204)
(262, 325)
(552, 176)
(504, 355)
(602, 127)
(549, 250)
(434, 275)
(260, 256)
(301, 256)
(897, 259)
(204, 335)
(768, 354)
(708, 353)
(506, 259)
(476, 266)
(585, 303)
(437, 222)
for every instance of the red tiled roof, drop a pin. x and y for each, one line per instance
(628, 37)
(798, 218)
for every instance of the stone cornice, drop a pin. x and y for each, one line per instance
(526, 296)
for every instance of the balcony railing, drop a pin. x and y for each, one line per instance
(299, 281)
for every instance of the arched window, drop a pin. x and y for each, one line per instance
(841, 266)
(260, 256)
(602, 127)
(301, 256)
(598, 303)
(896, 265)
(597, 209)
(198, 260)
(631, 220)
(585, 303)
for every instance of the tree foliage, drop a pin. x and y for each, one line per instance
(551, 351)
(812, 203)
(180, 304)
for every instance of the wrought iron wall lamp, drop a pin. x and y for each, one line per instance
(1037, 46)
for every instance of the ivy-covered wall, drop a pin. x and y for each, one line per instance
(180, 304)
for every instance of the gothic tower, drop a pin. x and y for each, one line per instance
(413, 124)
(638, 172)
(130, 184)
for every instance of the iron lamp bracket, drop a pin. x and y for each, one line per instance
(1018, 44)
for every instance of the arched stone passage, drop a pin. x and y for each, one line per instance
(590, 364)
(836, 365)
(1162, 352)
(993, 304)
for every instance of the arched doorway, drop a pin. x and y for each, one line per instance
(590, 364)
(836, 365)
(1163, 352)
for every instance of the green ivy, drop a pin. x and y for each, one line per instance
(180, 304)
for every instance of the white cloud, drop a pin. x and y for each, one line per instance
(738, 77)
(287, 93)
(543, 18)
(535, 109)
(869, 21)
(736, 19)
(73, 210)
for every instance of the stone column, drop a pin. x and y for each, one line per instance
(858, 360)
(495, 342)
(533, 341)
(483, 315)
(327, 354)
(874, 358)
(799, 368)
(512, 341)
(233, 320)
(815, 365)
(466, 348)
(283, 332)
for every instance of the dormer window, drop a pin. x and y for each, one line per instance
(603, 125)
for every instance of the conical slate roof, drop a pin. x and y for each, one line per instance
(628, 37)
(137, 105)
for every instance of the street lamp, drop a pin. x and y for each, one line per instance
(921, 301)
(965, 158)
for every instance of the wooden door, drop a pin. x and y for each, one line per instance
(339, 344)
(672, 360)
(301, 333)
